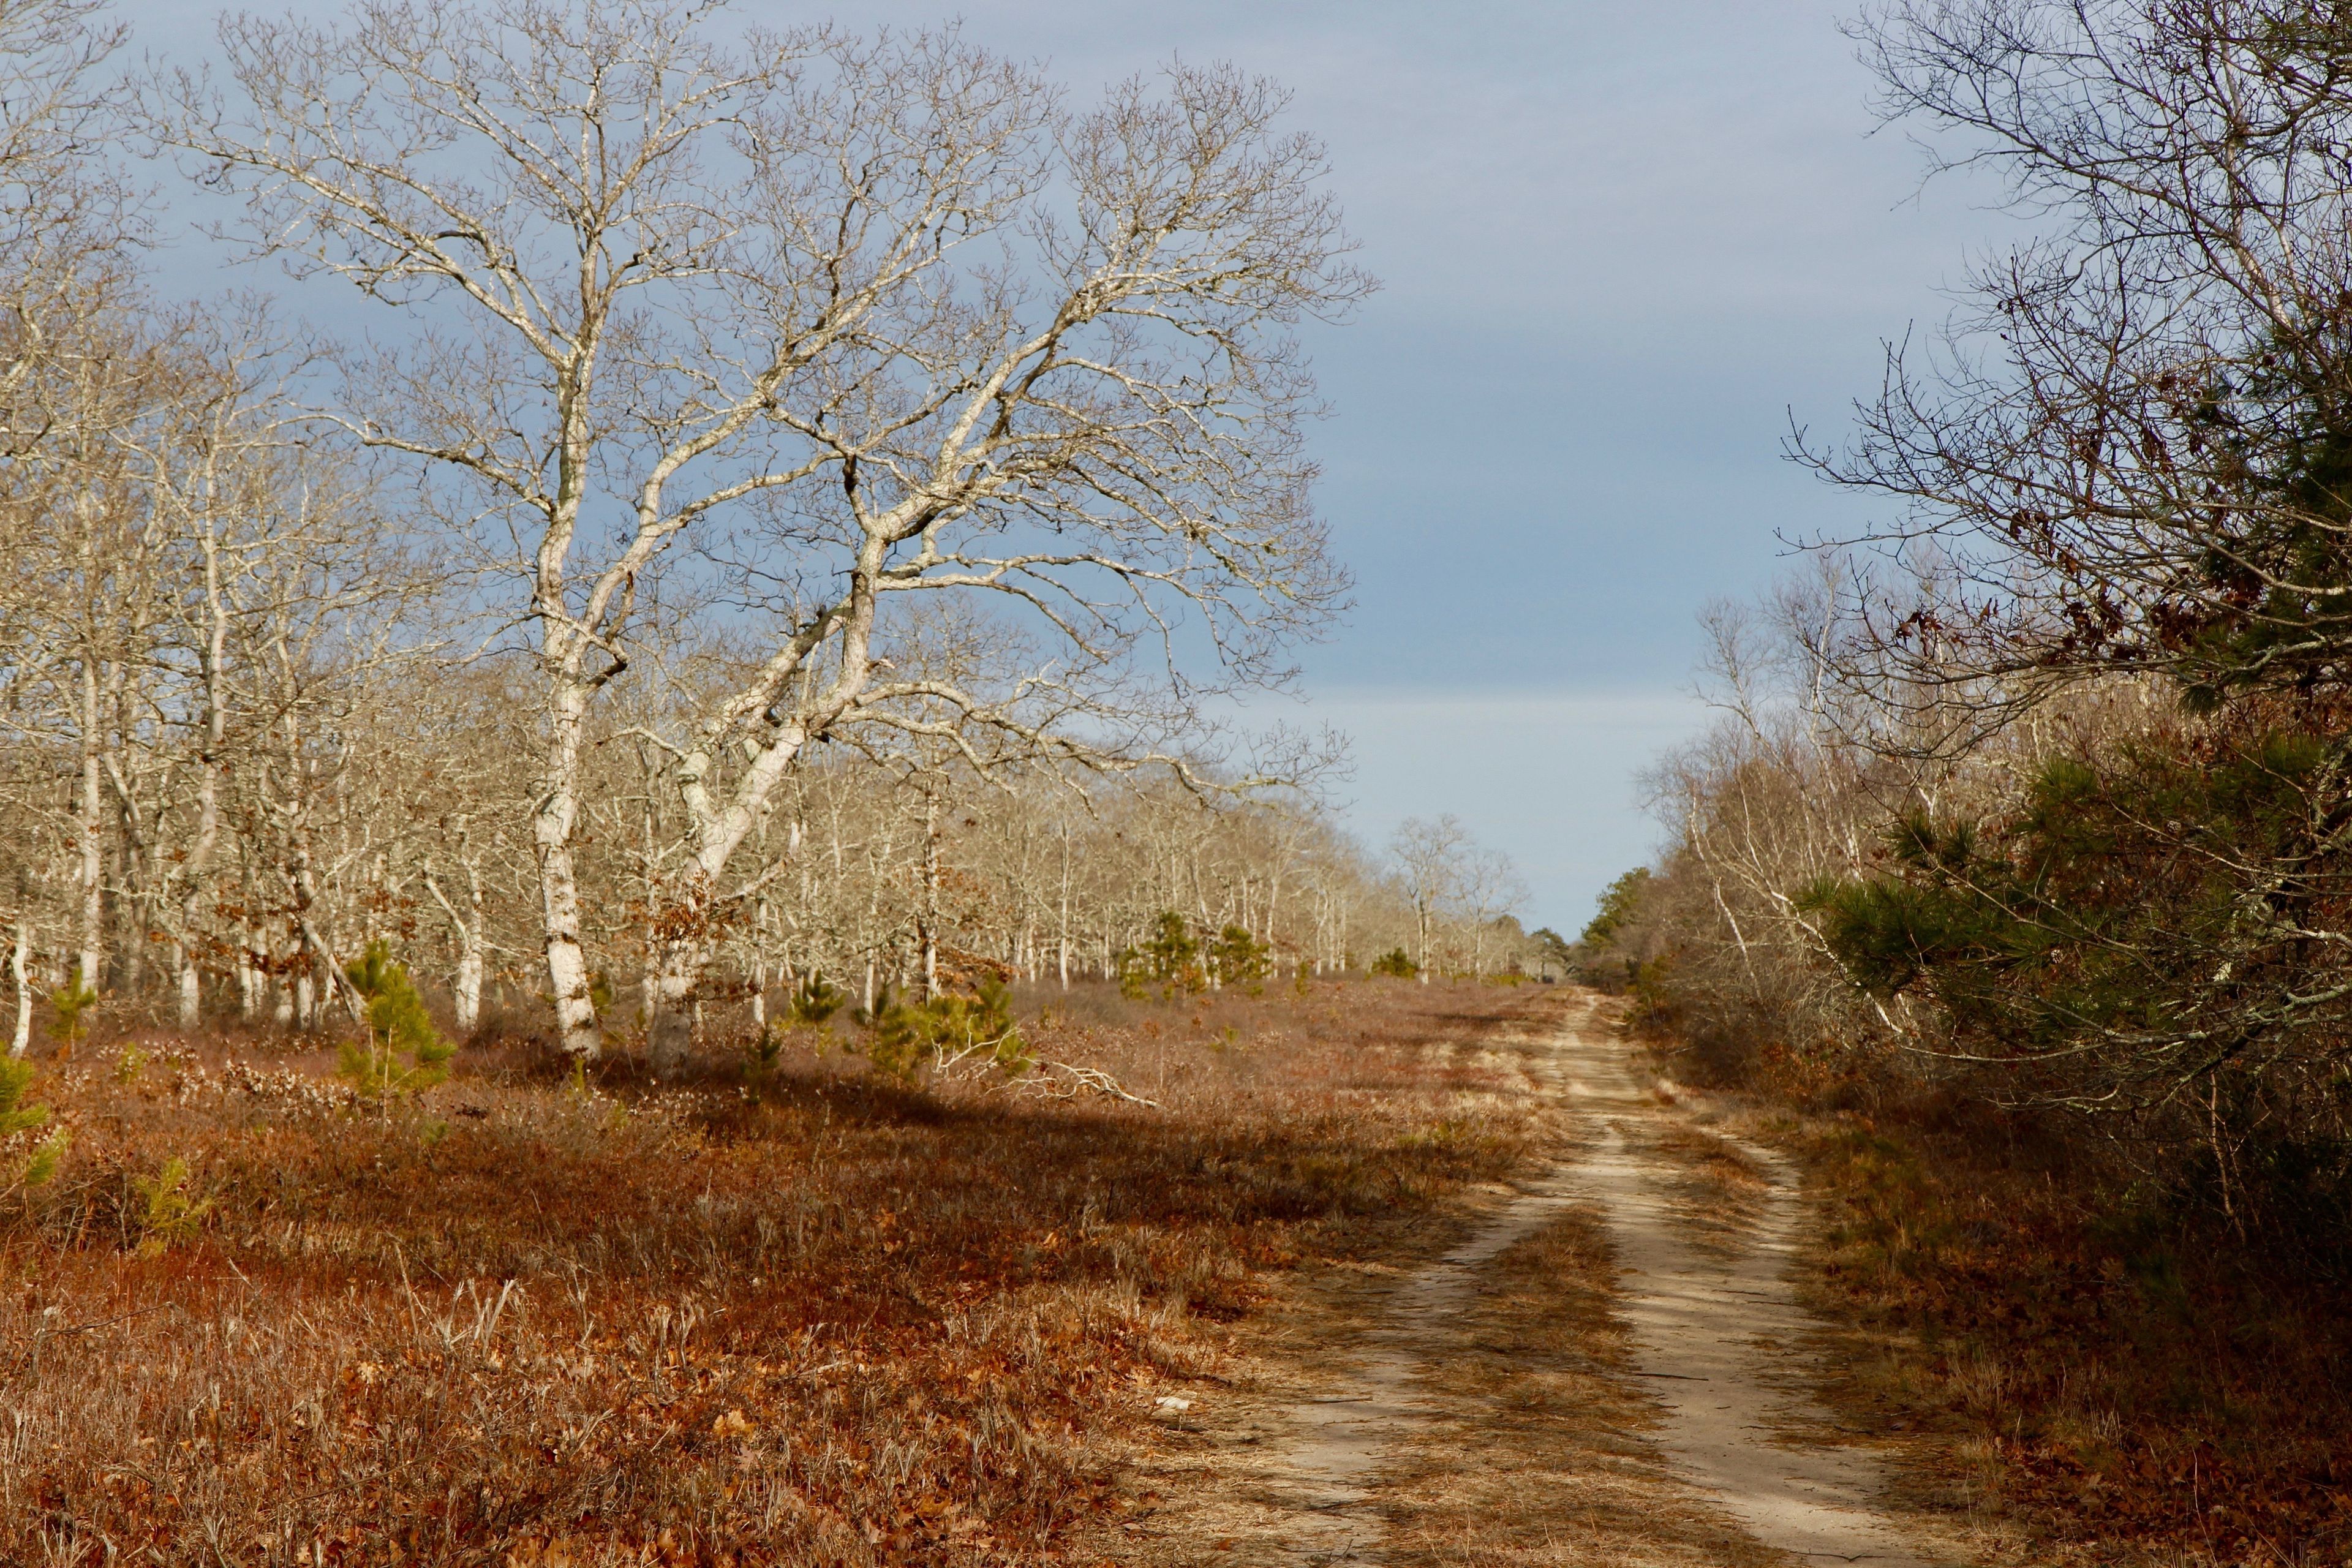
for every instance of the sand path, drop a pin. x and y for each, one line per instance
(1715, 1343)
(1719, 1335)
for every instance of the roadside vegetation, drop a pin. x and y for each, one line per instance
(2017, 867)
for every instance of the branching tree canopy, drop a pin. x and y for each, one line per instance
(2134, 447)
(787, 329)
(66, 221)
(2125, 475)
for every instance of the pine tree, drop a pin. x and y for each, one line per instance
(397, 1026)
(905, 1034)
(72, 1001)
(1239, 957)
(1172, 959)
(16, 1116)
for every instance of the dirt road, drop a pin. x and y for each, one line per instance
(1401, 1389)
(1719, 1334)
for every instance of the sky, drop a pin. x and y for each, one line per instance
(1621, 247)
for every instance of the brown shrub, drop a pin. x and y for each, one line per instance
(2119, 1378)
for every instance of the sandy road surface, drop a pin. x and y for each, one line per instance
(1714, 1335)
(1718, 1335)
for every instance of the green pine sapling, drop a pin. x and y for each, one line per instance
(72, 1001)
(172, 1214)
(16, 1116)
(398, 1026)
(812, 1002)
(1240, 959)
(1172, 959)
(947, 1028)
(815, 1001)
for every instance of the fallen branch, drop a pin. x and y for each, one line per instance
(1037, 1074)
(1078, 1080)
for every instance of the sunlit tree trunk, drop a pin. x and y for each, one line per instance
(558, 881)
(18, 952)
(92, 833)
(210, 762)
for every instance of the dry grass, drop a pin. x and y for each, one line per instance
(1218, 1483)
(1721, 1191)
(2113, 1393)
(1539, 1450)
(816, 1320)
(1519, 1438)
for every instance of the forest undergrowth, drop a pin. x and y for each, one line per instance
(2073, 1371)
(803, 1315)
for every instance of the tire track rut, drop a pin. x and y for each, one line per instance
(1715, 1343)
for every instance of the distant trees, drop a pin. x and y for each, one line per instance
(1429, 858)
(1456, 889)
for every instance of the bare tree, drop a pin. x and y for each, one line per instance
(1492, 894)
(2129, 450)
(68, 223)
(831, 320)
(1429, 858)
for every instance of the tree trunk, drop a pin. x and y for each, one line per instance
(760, 962)
(130, 960)
(198, 865)
(281, 979)
(931, 926)
(93, 846)
(721, 829)
(468, 993)
(577, 1032)
(669, 1005)
(16, 955)
(248, 981)
(192, 996)
(466, 987)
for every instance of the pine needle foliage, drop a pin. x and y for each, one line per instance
(811, 1005)
(815, 1001)
(403, 1052)
(71, 1004)
(1171, 961)
(906, 1036)
(764, 1052)
(172, 1213)
(1238, 958)
(2149, 931)
(1396, 963)
(1621, 904)
(17, 1116)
